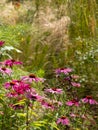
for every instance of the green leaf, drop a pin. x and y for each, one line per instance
(39, 123)
(1, 101)
(21, 114)
(20, 102)
(33, 113)
(54, 125)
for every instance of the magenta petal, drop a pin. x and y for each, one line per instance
(7, 85)
(1, 43)
(69, 103)
(75, 84)
(85, 100)
(77, 104)
(58, 121)
(92, 101)
(66, 122)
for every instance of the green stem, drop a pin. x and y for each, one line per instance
(27, 118)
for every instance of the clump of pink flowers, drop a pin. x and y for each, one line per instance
(16, 87)
(23, 89)
(8, 63)
(68, 77)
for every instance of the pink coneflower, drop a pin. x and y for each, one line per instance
(63, 120)
(47, 105)
(54, 90)
(11, 62)
(21, 88)
(12, 95)
(31, 78)
(34, 97)
(74, 84)
(63, 70)
(4, 70)
(73, 102)
(8, 85)
(1, 43)
(89, 99)
(18, 86)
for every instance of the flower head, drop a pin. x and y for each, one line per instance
(89, 99)
(34, 97)
(63, 70)
(54, 90)
(21, 88)
(18, 87)
(31, 78)
(63, 120)
(1, 43)
(12, 83)
(47, 105)
(74, 84)
(11, 62)
(4, 70)
(73, 102)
